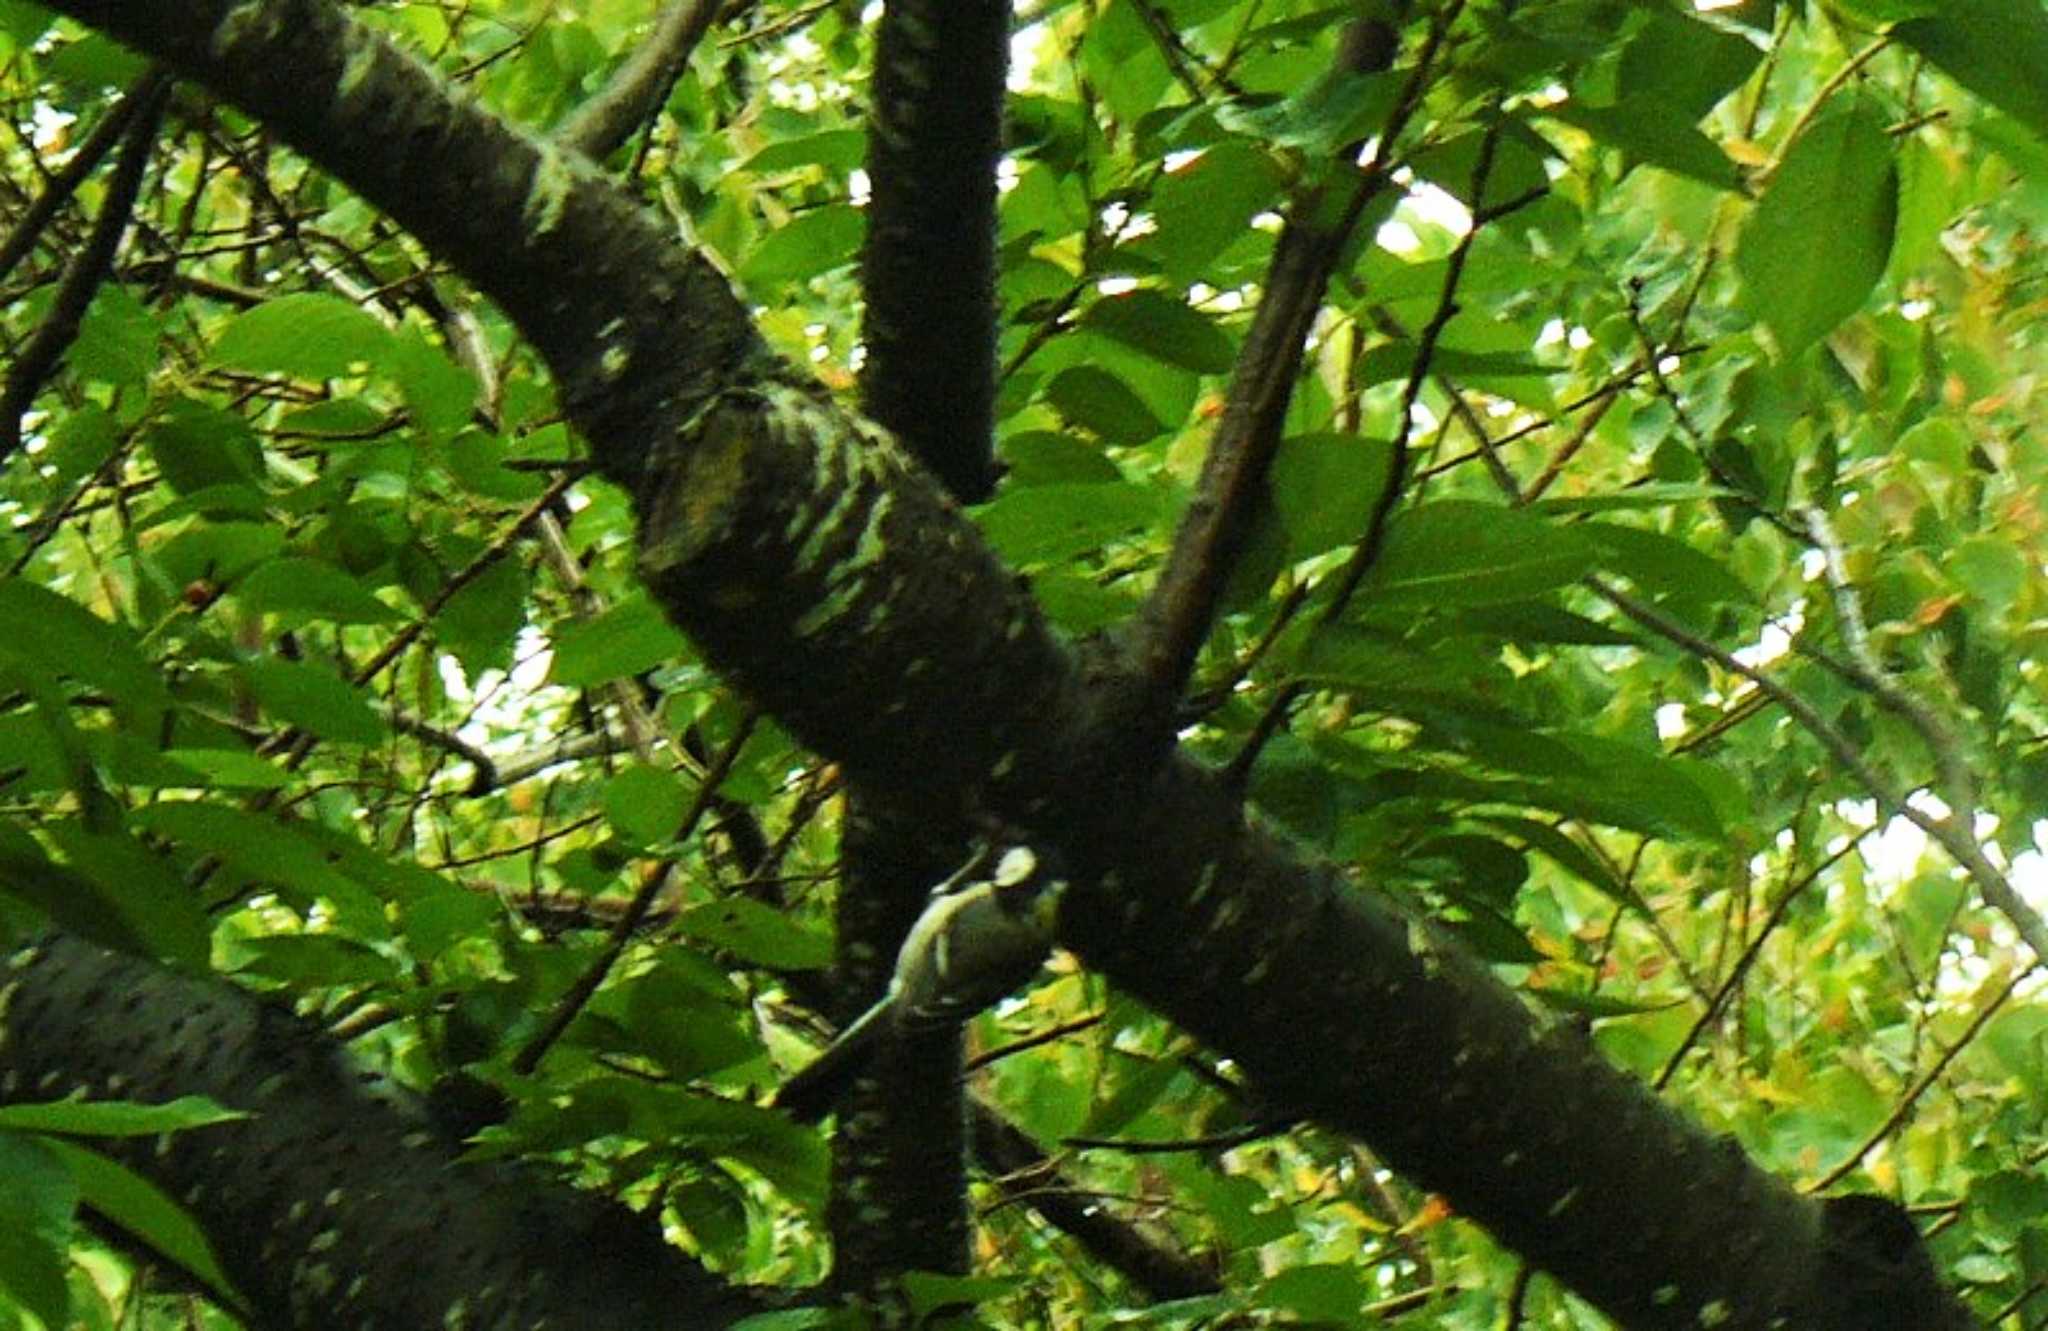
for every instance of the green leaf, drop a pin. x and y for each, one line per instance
(1657, 494)
(198, 446)
(816, 242)
(116, 339)
(234, 769)
(115, 1118)
(1040, 523)
(263, 849)
(439, 394)
(311, 961)
(1990, 569)
(308, 335)
(142, 1209)
(480, 623)
(1385, 671)
(839, 149)
(645, 804)
(1460, 553)
(1995, 48)
(1325, 487)
(756, 933)
(1538, 622)
(1685, 63)
(314, 589)
(1651, 130)
(1391, 361)
(1628, 786)
(1821, 236)
(128, 889)
(1205, 206)
(1666, 568)
(36, 1209)
(1164, 329)
(625, 640)
(1331, 112)
(81, 441)
(1099, 402)
(1046, 457)
(315, 699)
(1570, 856)
(24, 22)
(931, 1292)
(69, 640)
(1321, 1292)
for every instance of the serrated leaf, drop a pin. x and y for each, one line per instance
(69, 640)
(1628, 786)
(1461, 553)
(309, 335)
(314, 699)
(1652, 131)
(264, 849)
(1538, 622)
(1821, 235)
(198, 447)
(628, 638)
(233, 769)
(645, 804)
(311, 961)
(816, 242)
(312, 588)
(1043, 523)
(480, 623)
(757, 933)
(1205, 206)
(1665, 567)
(1325, 487)
(1687, 63)
(1995, 48)
(840, 149)
(115, 1118)
(125, 889)
(1390, 361)
(1163, 328)
(144, 1210)
(1102, 404)
(1570, 856)
(1046, 457)
(36, 1208)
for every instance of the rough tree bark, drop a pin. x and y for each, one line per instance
(827, 575)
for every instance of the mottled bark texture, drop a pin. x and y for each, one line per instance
(335, 1203)
(823, 571)
(898, 1199)
(935, 118)
(899, 1195)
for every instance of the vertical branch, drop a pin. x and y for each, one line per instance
(928, 269)
(899, 1189)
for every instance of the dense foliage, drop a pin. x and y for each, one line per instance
(1645, 586)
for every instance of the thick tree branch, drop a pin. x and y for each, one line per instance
(821, 570)
(336, 1203)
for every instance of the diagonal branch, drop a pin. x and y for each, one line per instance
(817, 567)
(1175, 619)
(89, 267)
(642, 84)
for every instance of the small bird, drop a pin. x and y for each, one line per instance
(978, 939)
